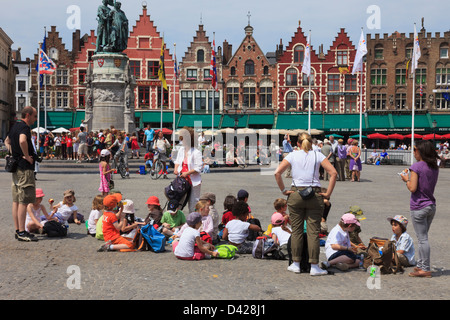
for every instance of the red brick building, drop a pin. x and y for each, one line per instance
(333, 88)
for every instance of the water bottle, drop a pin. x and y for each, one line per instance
(361, 259)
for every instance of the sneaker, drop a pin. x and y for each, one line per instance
(105, 246)
(317, 271)
(294, 268)
(26, 236)
(341, 266)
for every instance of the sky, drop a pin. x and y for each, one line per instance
(24, 20)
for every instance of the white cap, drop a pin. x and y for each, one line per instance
(105, 152)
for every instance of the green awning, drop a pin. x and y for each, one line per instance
(405, 121)
(78, 117)
(228, 121)
(299, 121)
(56, 119)
(379, 122)
(155, 116)
(189, 120)
(261, 119)
(342, 123)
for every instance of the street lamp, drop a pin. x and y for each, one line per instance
(434, 125)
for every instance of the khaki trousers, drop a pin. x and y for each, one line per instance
(310, 211)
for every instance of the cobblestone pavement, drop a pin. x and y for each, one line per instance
(46, 269)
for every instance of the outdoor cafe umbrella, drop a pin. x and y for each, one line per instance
(377, 136)
(396, 136)
(336, 135)
(60, 130)
(431, 136)
(41, 130)
(165, 131)
(416, 136)
(356, 136)
(446, 136)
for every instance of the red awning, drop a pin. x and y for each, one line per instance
(396, 136)
(377, 136)
(431, 136)
(416, 136)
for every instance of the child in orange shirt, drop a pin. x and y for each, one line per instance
(113, 223)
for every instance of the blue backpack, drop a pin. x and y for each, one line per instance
(155, 240)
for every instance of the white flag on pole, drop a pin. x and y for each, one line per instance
(416, 51)
(360, 53)
(306, 69)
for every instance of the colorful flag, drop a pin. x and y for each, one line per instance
(44, 48)
(213, 70)
(421, 90)
(46, 65)
(176, 70)
(306, 69)
(416, 52)
(360, 53)
(161, 71)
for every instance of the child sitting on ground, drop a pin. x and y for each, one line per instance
(191, 246)
(211, 199)
(280, 231)
(172, 220)
(355, 239)
(339, 250)
(94, 216)
(129, 229)
(154, 211)
(404, 244)
(34, 210)
(112, 224)
(227, 216)
(280, 206)
(66, 208)
(236, 231)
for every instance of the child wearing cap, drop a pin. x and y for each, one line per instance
(280, 206)
(112, 224)
(339, 251)
(355, 239)
(210, 198)
(154, 211)
(404, 244)
(132, 223)
(34, 211)
(280, 232)
(105, 171)
(172, 219)
(191, 246)
(66, 208)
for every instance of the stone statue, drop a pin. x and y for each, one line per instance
(119, 29)
(112, 29)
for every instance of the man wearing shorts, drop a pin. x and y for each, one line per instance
(83, 147)
(23, 185)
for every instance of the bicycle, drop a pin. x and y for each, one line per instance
(120, 164)
(157, 168)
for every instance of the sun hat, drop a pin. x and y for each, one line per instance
(277, 219)
(104, 153)
(153, 200)
(208, 196)
(112, 200)
(193, 218)
(357, 211)
(349, 218)
(400, 219)
(39, 193)
(128, 206)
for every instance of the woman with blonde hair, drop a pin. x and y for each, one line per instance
(305, 199)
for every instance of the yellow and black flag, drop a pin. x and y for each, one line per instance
(161, 71)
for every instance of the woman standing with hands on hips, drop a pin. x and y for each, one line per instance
(189, 164)
(421, 183)
(305, 164)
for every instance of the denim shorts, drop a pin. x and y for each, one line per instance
(347, 253)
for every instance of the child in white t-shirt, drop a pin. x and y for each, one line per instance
(338, 249)
(236, 231)
(66, 208)
(191, 246)
(96, 213)
(34, 211)
(280, 232)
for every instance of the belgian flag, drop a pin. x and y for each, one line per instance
(161, 72)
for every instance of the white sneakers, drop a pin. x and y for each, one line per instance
(315, 269)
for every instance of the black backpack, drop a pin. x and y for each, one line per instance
(178, 190)
(55, 229)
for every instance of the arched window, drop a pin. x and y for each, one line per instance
(233, 71)
(249, 67)
(291, 77)
(306, 101)
(200, 55)
(291, 100)
(299, 54)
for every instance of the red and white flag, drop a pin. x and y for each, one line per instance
(213, 70)
(46, 65)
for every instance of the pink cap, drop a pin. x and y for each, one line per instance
(39, 193)
(349, 218)
(277, 219)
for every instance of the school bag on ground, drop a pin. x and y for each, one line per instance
(55, 229)
(139, 242)
(155, 240)
(226, 251)
(265, 248)
(387, 259)
(179, 189)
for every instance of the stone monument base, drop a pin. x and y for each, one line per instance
(112, 87)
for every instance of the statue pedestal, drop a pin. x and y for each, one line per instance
(112, 86)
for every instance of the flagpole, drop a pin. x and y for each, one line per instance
(360, 102)
(213, 97)
(413, 60)
(162, 91)
(174, 97)
(45, 90)
(309, 93)
(38, 96)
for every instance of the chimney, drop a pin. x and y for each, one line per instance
(76, 46)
